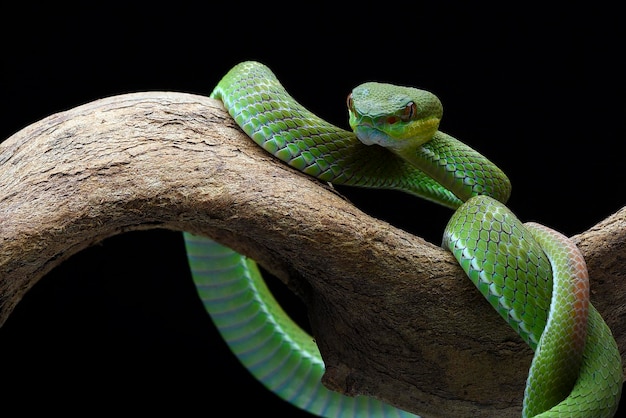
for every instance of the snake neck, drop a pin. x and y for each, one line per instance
(458, 168)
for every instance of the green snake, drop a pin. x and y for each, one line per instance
(534, 277)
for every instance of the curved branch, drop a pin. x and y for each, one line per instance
(178, 161)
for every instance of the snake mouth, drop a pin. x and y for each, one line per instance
(395, 137)
(369, 135)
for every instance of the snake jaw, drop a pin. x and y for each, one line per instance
(395, 135)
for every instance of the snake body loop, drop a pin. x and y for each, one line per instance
(534, 277)
(275, 350)
(577, 369)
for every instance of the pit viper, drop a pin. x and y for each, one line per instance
(534, 277)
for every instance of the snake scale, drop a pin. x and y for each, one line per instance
(534, 277)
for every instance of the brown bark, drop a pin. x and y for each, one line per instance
(394, 315)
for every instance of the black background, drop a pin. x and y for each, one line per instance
(540, 91)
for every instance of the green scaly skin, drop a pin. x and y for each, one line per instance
(576, 371)
(513, 265)
(280, 125)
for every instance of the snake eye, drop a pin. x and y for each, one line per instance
(409, 111)
(350, 102)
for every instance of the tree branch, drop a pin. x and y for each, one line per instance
(394, 315)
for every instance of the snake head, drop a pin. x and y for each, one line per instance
(393, 116)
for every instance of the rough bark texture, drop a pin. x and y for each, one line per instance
(376, 303)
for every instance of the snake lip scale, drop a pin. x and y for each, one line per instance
(534, 277)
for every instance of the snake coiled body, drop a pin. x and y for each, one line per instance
(396, 144)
